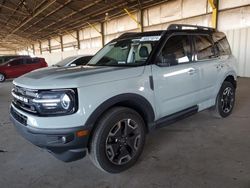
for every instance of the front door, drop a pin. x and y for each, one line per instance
(176, 77)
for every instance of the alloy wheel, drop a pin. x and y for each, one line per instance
(227, 100)
(2, 77)
(122, 142)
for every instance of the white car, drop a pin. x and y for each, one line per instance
(135, 84)
(73, 61)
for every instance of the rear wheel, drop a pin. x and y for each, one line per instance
(118, 140)
(225, 100)
(2, 77)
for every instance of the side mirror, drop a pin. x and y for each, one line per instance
(73, 65)
(158, 60)
(162, 61)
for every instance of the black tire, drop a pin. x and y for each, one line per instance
(111, 149)
(225, 100)
(2, 77)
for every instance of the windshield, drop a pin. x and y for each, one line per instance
(4, 59)
(65, 61)
(8, 61)
(129, 52)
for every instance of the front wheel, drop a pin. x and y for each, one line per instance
(118, 140)
(2, 77)
(225, 100)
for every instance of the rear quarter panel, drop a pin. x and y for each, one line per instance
(229, 69)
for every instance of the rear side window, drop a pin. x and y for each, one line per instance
(27, 61)
(204, 47)
(35, 60)
(177, 50)
(221, 43)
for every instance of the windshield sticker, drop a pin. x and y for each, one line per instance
(150, 38)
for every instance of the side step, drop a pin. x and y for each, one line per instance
(165, 121)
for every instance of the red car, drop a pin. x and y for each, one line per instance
(19, 66)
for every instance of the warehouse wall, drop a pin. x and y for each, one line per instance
(239, 40)
(234, 19)
(7, 52)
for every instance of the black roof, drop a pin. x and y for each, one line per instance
(189, 27)
(171, 29)
(141, 34)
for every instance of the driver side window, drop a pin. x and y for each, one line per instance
(177, 50)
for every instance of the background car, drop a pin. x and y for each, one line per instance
(74, 61)
(19, 66)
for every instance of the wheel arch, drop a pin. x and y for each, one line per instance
(231, 79)
(3, 75)
(133, 101)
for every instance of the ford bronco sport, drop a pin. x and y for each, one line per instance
(136, 83)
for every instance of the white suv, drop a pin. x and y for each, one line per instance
(135, 84)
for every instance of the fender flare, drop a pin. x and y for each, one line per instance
(230, 74)
(134, 101)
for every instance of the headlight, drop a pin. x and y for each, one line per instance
(56, 102)
(65, 101)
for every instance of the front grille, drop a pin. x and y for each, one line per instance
(22, 99)
(19, 117)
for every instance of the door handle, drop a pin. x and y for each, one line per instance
(192, 71)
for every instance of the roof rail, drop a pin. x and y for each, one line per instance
(186, 27)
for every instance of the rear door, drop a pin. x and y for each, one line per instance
(29, 66)
(176, 77)
(208, 60)
(32, 64)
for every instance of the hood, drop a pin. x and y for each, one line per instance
(73, 77)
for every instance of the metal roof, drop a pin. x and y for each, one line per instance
(24, 22)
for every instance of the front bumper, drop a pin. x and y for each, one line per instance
(64, 143)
